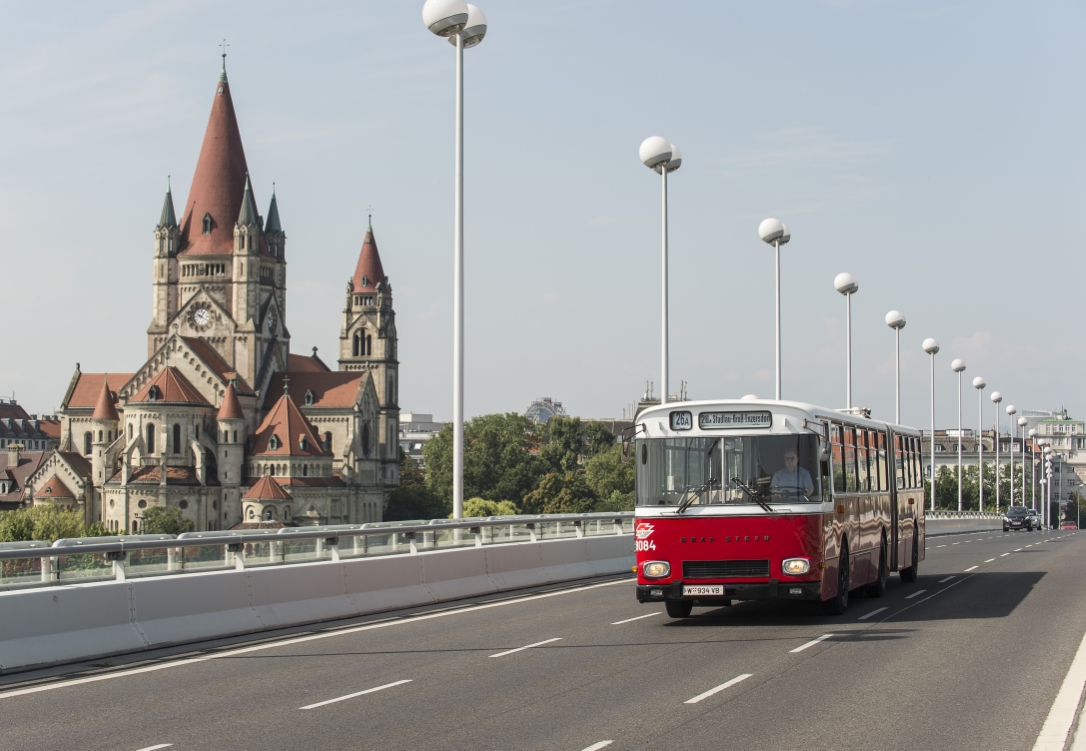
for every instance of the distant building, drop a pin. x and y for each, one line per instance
(543, 409)
(16, 466)
(416, 428)
(29, 431)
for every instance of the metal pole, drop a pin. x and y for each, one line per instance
(980, 452)
(848, 351)
(458, 292)
(932, 431)
(997, 456)
(897, 376)
(1033, 475)
(959, 441)
(663, 343)
(777, 249)
(1012, 462)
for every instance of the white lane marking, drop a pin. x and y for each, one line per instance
(152, 748)
(528, 646)
(943, 581)
(598, 746)
(972, 567)
(955, 543)
(1002, 555)
(1062, 715)
(636, 618)
(991, 559)
(1016, 550)
(356, 693)
(810, 643)
(873, 612)
(917, 593)
(1029, 546)
(940, 546)
(721, 687)
(300, 640)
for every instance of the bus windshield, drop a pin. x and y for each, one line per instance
(728, 470)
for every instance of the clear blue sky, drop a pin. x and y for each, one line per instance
(935, 151)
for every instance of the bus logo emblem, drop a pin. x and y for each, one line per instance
(644, 529)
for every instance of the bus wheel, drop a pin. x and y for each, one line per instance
(877, 587)
(908, 575)
(679, 608)
(839, 602)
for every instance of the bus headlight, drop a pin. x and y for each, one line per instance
(656, 569)
(796, 566)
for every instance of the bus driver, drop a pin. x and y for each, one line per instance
(793, 476)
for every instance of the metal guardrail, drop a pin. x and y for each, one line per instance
(87, 559)
(961, 515)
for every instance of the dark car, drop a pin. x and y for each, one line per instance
(1017, 517)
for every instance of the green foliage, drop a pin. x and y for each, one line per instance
(98, 529)
(16, 526)
(607, 474)
(482, 507)
(164, 520)
(47, 522)
(597, 439)
(946, 487)
(563, 445)
(498, 459)
(560, 494)
(413, 499)
(617, 501)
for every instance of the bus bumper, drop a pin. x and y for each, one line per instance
(771, 590)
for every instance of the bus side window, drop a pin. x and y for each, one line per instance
(912, 462)
(883, 486)
(837, 454)
(899, 462)
(850, 460)
(918, 466)
(862, 477)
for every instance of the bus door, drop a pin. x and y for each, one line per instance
(897, 496)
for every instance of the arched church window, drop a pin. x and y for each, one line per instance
(309, 398)
(130, 431)
(225, 435)
(328, 442)
(356, 344)
(99, 435)
(235, 436)
(366, 438)
(305, 470)
(273, 444)
(88, 440)
(207, 224)
(150, 438)
(176, 438)
(369, 346)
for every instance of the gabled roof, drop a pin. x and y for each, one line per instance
(172, 387)
(267, 489)
(330, 388)
(287, 423)
(230, 409)
(89, 387)
(368, 272)
(153, 476)
(53, 488)
(29, 461)
(219, 366)
(305, 364)
(105, 410)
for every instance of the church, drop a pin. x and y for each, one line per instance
(223, 421)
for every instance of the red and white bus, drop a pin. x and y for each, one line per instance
(760, 499)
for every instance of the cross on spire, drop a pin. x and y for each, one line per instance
(224, 45)
(286, 385)
(369, 217)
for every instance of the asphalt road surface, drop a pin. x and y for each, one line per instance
(971, 656)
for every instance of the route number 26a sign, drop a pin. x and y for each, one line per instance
(682, 421)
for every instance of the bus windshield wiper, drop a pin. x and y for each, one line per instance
(753, 496)
(695, 493)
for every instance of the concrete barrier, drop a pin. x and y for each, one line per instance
(938, 523)
(57, 625)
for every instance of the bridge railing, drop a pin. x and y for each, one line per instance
(88, 559)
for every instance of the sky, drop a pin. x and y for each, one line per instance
(926, 148)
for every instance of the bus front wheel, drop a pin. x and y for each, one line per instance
(679, 608)
(837, 604)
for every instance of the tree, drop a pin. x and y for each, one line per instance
(560, 494)
(498, 459)
(597, 438)
(413, 499)
(563, 446)
(47, 522)
(165, 520)
(475, 507)
(607, 474)
(616, 502)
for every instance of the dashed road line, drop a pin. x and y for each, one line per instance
(917, 593)
(527, 646)
(721, 687)
(810, 643)
(873, 612)
(598, 746)
(154, 748)
(972, 567)
(351, 696)
(944, 581)
(635, 618)
(1003, 554)
(989, 560)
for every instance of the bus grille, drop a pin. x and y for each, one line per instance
(724, 569)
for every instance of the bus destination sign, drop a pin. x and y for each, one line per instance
(682, 420)
(733, 420)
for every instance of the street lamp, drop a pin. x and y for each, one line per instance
(1011, 411)
(896, 321)
(1032, 467)
(661, 156)
(958, 366)
(774, 232)
(846, 284)
(465, 26)
(932, 347)
(996, 398)
(1022, 423)
(979, 384)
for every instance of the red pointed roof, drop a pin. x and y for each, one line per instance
(172, 387)
(230, 409)
(218, 185)
(267, 489)
(88, 388)
(54, 488)
(105, 410)
(287, 423)
(369, 271)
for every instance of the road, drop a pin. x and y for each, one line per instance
(970, 656)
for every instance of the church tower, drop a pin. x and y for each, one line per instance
(164, 290)
(367, 341)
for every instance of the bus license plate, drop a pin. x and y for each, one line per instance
(714, 589)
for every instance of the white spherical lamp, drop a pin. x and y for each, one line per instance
(655, 152)
(445, 17)
(845, 283)
(931, 346)
(474, 29)
(978, 383)
(957, 366)
(771, 230)
(895, 319)
(997, 397)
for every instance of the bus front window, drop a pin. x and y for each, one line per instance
(728, 470)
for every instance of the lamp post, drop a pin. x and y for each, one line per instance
(464, 26)
(1011, 411)
(932, 348)
(663, 157)
(1022, 423)
(1032, 435)
(774, 232)
(979, 384)
(846, 284)
(1048, 473)
(996, 398)
(896, 321)
(958, 366)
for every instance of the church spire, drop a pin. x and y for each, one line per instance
(273, 225)
(368, 273)
(248, 213)
(168, 219)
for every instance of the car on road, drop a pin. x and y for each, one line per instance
(1017, 517)
(1068, 525)
(1035, 519)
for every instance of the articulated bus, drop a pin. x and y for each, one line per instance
(756, 500)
